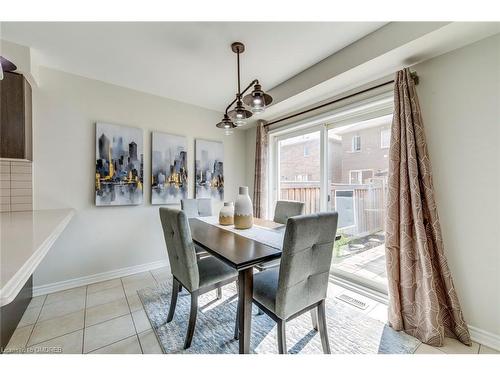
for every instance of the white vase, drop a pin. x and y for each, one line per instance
(226, 214)
(243, 210)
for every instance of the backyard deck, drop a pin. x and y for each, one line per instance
(367, 261)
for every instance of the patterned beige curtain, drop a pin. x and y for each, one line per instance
(423, 300)
(260, 177)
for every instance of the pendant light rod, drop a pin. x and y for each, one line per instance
(238, 64)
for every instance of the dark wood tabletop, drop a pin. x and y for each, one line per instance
(237, 251)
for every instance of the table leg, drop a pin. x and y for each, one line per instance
(245, 294)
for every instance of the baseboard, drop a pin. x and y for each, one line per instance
(485, 338)
(98, 277)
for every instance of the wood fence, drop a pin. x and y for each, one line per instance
(368, 202)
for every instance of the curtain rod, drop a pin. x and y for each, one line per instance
(414, 76)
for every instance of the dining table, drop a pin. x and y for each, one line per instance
(241, 249)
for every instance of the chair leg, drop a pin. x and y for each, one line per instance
(192, 319)
(173, 301)
(322, 328)
(236, 323)
(314, 317)
(219, 293)
(281, 337)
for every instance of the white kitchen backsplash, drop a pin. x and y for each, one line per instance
(16, 185)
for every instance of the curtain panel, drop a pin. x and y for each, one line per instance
(260, 174)
(423, 299)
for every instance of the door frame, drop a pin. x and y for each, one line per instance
(274, 164)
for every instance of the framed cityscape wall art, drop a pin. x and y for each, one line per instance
(169, 171)
(209, 169)
(119, 165)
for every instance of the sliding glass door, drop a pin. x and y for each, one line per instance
(340, 163)
(357, 188)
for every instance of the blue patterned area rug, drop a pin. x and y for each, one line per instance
(349, 331)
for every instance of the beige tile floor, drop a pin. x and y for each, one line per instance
(108, 317)
(105, 317)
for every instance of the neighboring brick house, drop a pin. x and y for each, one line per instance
(299, 160)
(365, 154)
(355, 155)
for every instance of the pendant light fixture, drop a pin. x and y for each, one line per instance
(256, 101)
(227, 125)
(239, 114)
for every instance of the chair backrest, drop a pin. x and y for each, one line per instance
(205, 207)
(305, 262)
(286, 209)
(180, 247)
(190, 207)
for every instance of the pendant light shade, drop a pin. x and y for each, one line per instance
(257, 100)
(239, 114)
(226, 123)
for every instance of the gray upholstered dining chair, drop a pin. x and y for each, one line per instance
(190, 207)
(301, 282)
(286, 209)
(197, 276)
(282, 211)
(205, 207)
(197, 207)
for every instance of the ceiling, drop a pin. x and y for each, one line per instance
(189, 61)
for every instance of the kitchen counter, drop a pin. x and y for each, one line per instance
(26, 237)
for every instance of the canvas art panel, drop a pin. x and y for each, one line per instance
(119, 165)
(209, 169)
(169, 172)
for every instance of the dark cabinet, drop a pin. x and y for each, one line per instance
(16, 117)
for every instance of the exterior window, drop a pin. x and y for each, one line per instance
(306, 151)
(361, 176)
(356, 143)
(385, 138)
(355, 177)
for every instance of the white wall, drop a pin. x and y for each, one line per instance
(101, 239)
(459, 94)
